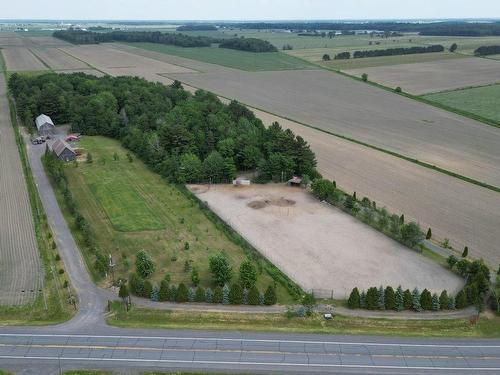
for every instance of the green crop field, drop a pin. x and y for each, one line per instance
(232, 58)
(482, 101)
(151, 215)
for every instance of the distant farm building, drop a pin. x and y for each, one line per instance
(241, 181)
(44, 125)
(63, 150)
(295, 181)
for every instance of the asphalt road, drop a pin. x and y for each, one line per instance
(87, 342)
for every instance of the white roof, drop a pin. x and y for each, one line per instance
(43, 120)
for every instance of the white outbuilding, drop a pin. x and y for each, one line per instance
(44, 125)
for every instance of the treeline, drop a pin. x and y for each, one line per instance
(176, 39)
(390, 52)
(452, 28)
(487, 50)
(248, 44)
(197, 27)
(184, 137)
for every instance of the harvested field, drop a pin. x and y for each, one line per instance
(46, 41)
(59, 60)
(466, 214)
(357, 110)
(11, 42)
(20, 267)
(320, 247)
(21, 59)
(116, 62)
(423, 78)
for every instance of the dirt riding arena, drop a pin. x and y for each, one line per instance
(423, 78)
(339, 104)
(320, 247)
(20, 268)
(18, 59)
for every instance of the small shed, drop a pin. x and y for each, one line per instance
(63, 150)
(44, 125)
(295, 181)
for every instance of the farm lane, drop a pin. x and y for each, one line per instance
(21, 275)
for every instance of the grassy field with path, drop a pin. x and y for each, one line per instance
(480, 101)
(131, 208)
(243, 60)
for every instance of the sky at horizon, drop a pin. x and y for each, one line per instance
(248, 9)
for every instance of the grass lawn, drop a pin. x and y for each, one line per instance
(152, 215)
(243, 60)
(488, 325)
(481, 101)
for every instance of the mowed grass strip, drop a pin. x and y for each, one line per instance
(132, 186)
(481, 101)
(243, 60)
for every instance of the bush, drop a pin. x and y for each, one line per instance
(415, 305)
(444, 300)
(236, 294)
(136, 284)
(218, 295)
(191, 295)
(172, 293)
(248, 274)
(209, 295)
(144, 264)
(309, 302)
(451, 303)
(225, 295)
(270, 296)
(154, 294)
(163, 294)
(399, 303)
(398, 89)
(408, 299)
(436, 306)
(451, 260)
(199, 295)
(426, 300)
(429, 234)
(182, 293)
(381, 298)
(362, 300)
(253, 296)
(148, 289)
(58, 258)
(390, 298)
(220, 268)
(461, 300)
(364, 77)
(354, 300)
(195, 278)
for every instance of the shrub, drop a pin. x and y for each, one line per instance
(415, 305)
(426, 300)
(195, 278)
(400, 304)
(444, 300)
(398, 89)
(191, 295)
(65, 284)
(61, 271)
(154, 294)
(435, 302)
(461, 300)
(354, 300)
(199, 295)
(58, 257)
(451, 303)
(182, 293)
(381, 298)
(253, 296)
(220, 268)
(451, 260)
(390, 298)
(429, 234)
(236, 294)
(148, 289)
(362, 300)
(309, 302)
(123, 292)
(218, 295)
(225, 294)
(372, 298)
(144, 264)
(209, 295)
(262, 299)
(245, 296)
(248, 274)
(163, 294)
(364, 77)
(301, 312)
(270, 296)
(465, 252)
(411, 234)
(136, 284)
(172, 293)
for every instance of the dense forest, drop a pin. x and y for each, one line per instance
(184, 137)
(450, 28)
(248, 44)
(487, 50)
(176, 39)
(197, 27)
(397, 51)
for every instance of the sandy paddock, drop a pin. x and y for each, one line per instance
(318, 246)
(422, 78)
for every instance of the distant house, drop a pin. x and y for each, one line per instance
(44, 125)
(63, 150)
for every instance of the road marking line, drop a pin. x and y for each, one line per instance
(251, 340)
(243, 363)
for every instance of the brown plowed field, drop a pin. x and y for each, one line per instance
(433, 76)
(339, 104)
(320, 247)
(18, 59)
(20, 270)
(59, 60)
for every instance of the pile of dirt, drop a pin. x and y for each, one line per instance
(282, 202)
(257, 204)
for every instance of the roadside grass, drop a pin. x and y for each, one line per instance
(477, 101)
(242, 60)
(52, 305)
(182, 219)
(487, 327)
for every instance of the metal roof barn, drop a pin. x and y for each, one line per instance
(44, 125)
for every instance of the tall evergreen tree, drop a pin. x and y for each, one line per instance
(372, 298)
(435, 302)
(399, 299)
(353, 301)
(444, 300)
(461, 300)
(362, 300)
(465, 252)
(426, 300)
(416, 300)
(381, 298)
(429, 234)
(390, 298)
